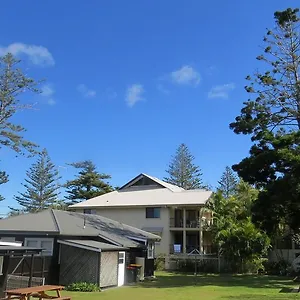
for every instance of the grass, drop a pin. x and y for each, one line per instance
(170, 286)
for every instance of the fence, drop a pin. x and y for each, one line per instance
(16, 282)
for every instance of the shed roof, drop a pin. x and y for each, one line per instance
(67, 223)
(91, 245)
(17, 250)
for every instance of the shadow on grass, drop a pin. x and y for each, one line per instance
(169, 280)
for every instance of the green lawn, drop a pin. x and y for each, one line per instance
(186, 287)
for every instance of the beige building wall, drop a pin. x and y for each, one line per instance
(136, 217)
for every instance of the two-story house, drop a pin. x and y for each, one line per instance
(176, 214)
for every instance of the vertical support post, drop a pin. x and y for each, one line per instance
(184, 241)
(3, 278)
(184, 218)
(184, 231)
(200, 232)
(31, 270)
(43, 265)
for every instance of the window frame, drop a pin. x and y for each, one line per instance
(39, 245)
(151, 250)
(152, 216)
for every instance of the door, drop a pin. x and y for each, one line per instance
(121, 269)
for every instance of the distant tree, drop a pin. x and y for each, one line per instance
(3, 179)
(228, 182)
(182, 170)
(88, 184)
(42, 189)
(271, 117)
(13, 84)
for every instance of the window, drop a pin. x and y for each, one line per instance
(121, 257)
(150, 252)
(153, 212)
(45, 243)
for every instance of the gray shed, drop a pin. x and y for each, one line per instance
(91, 261)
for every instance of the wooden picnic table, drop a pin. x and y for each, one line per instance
(36, 292)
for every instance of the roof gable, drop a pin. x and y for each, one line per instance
(144, 181)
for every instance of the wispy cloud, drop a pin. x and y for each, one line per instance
(85, 91)
(38, 55)
(186, 75)
(134, 94)
(221, 91)
(47, 91)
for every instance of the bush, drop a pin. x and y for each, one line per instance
(159, 263)
(280, 267)
(83, 287)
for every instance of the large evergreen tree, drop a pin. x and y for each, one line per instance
(182, 170)
(13, 84)
(228, 183)
(41, 186)
(272, 119)
(88, 184)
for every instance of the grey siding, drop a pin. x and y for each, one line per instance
(109, 269)
(78, 265)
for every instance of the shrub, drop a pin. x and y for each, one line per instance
(159, 263)
(83, 287)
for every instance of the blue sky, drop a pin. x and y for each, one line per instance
(128, 81)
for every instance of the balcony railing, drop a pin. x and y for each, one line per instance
(190, 223)
(206, 249)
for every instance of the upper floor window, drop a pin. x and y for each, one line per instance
(153, 212)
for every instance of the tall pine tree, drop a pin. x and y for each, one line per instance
(13, 84)
(182, 170)
(88, 184)
(228, 183)
(41, 186)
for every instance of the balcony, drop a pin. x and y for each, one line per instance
(206, 249)
(190, 223)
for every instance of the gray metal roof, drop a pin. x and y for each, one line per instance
(91, 245)
(68, 223)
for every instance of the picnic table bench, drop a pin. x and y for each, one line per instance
(36, 292)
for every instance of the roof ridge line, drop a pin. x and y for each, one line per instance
(55, 220)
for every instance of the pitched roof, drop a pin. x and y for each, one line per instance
(68, 223)
(163, 184)
(151, 197)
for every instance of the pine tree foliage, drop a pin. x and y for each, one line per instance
(272, 118)
(228, 182)
(182, 170)
(3, 179)
(13, 84)
(41, 186)
(88, 184)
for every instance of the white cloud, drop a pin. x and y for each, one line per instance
(85, 91)
(38, 55)
(186, 75)
(134, 94)
(47, 91)
(221, 91)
